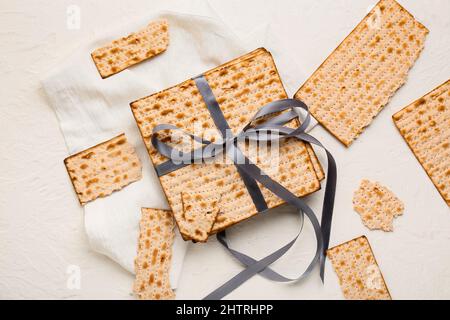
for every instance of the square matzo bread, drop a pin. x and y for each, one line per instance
(132, 49)
(358, 272)
(241, 87)
(359, 78)
(425, 125)
(154, 257)
(103, 169)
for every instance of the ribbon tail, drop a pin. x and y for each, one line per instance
(327, 213)
(246, 260)
(248, 272)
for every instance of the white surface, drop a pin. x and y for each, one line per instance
(41, 223)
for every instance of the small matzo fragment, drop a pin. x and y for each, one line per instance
(199, 212)
(425, 125)
(154, 256)
(359, 78)
(103, 169)
(359, 276)
(377, 206)
(127, 51)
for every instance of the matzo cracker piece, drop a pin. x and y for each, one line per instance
(359, 78)
(154, 256)
(127, 51)
(358, 272)
(241, 88)
(103, 169)
(316, 163)
(199, 211)
(425, 125)
(377, 206)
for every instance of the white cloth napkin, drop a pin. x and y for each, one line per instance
(91, 110)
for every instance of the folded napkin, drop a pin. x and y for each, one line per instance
(91, 110)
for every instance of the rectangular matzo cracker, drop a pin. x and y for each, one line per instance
(127, 51)
(103, 169)
(358, 272)
(425, 125)
(154, 257)
(241, 87)
(359, 78)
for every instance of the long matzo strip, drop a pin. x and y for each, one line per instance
(358, 79)
(241, 87)
(358, 272)
(154, 257)
(127, 51)
(103, 169)
(425, 125)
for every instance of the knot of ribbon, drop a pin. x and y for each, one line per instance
(267, 125)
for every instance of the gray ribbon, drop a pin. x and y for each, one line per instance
(250, 173)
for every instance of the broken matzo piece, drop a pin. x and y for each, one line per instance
(154, 257)
(200, 211)
(359, 78)
(103, 169)
(241, 88)
(377, 206)
(425, 125)
(316, 163)
(127, 51)
(359, 276)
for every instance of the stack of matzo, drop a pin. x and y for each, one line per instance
(425, 125)
(358, 79)
(358, 272)
(153, 261)
(127, 51)
(103, 169)
(241, 88)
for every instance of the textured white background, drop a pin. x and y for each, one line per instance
(41, 223)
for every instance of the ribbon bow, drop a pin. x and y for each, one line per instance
(286, 110)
